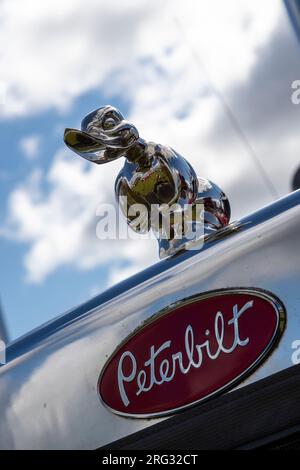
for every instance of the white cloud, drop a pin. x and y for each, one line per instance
(56, 50)
(155, 54)
(60, 225)
(2, 93)
(30, 146)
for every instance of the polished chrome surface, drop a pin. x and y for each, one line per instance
(48, 388)
(153, 174)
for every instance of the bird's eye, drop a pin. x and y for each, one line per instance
(109, 123)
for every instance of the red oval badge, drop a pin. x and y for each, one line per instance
(191, 351)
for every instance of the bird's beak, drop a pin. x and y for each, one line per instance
(83, 144)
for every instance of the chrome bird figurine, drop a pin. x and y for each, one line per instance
(153, 176)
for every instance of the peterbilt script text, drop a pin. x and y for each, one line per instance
(156, 372)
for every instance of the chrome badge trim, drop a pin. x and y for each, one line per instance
(281, 316)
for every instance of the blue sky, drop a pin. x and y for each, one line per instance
(67, 60)
(30, 303)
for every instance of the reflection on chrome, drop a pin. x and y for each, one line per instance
(153, 174)
(49, 382)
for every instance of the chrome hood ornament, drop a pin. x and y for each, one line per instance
(188, 208)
